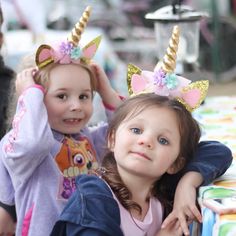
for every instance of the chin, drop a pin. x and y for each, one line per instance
(68, 131)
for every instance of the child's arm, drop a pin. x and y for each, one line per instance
(210, 161)
(109, 96)
(185, 209)
(24, 147)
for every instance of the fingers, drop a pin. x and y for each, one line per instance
(183, 224)
(181, 218)
(95, 68)
(169, 219)
(196, 213)
(177, 228)
(25, 79)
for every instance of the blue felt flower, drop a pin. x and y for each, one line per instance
(171, 81)
(76, 53)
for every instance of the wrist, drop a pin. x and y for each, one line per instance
(40, 87)
(111, 99)
(191, 178)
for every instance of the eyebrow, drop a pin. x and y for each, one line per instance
(137, 122)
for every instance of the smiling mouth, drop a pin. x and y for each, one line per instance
(72, 121)
(142, 155)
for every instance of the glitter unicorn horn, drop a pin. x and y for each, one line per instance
(76, 32)
(169, 60)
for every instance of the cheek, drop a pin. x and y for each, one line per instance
(53, 111)
(89, 109)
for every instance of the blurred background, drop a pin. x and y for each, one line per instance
(128, 36)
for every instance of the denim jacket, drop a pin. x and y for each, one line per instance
(92, 210)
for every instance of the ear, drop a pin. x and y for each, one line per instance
(132, 70)
(193, 94)
(90, 49)
(176, 166)
(111, 142)
(43, 56)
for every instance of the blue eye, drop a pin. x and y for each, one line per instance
(163, 141)
(136, 130)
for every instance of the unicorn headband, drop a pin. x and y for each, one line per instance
(163, 81)
(69, 51)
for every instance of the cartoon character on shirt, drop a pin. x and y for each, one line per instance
(74, 158)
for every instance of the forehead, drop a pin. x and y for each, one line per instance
(153, 114)
(69, 70)
(69, 75)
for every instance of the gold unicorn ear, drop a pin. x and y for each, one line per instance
(194, 94)
(169, 60)
(76, 32)
(132, 69)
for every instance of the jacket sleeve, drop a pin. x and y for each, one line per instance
(91, 210)
(211, 159)
(28, 143)
(63, 228)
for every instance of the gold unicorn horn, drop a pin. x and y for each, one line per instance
(78, 29)
(169, 60)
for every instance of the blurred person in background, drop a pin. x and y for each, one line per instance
(7, 213)
(26, 14)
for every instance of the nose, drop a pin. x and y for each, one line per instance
(146, 140)
(75, 105)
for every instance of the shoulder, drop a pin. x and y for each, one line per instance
(90, 184)
(92, 197)
(91, 206)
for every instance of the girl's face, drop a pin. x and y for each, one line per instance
(69, 98)
(147, 144)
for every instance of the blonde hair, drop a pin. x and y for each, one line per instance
(42, 77)
(26, 62)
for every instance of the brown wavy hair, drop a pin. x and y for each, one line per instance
(189, 132)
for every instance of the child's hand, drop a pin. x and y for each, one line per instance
(172, 229)
(104, 88)
(7, 225)
(185, 209)
(24, 80)
(103, 82)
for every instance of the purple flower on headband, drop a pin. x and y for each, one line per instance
(171, 81)
(76, 53)
(159, 78)
(66, 47)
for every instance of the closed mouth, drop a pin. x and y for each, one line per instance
(142, 155)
